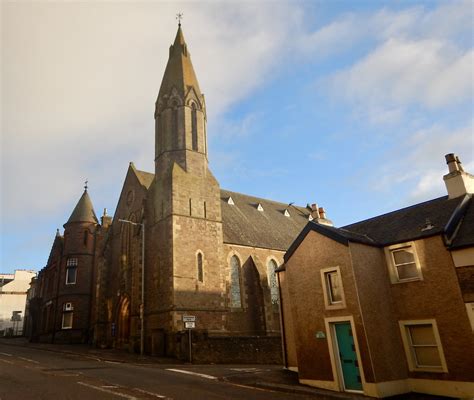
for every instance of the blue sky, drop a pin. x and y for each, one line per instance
(351, 105)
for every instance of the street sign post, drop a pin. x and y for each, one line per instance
(189, 323)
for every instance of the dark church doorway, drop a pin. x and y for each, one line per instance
(123, 323)
(255, 302)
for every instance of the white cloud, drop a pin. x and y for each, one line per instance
(399, 73)
(416, 165)
(79, 82)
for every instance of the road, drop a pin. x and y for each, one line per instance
(29, 373)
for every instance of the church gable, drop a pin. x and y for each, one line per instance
(134, 190)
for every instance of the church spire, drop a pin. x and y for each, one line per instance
(180, 114)
(179, 72)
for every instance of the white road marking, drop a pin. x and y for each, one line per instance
(192, 373)
(6, 361)
(107, 391)
(6, 354)
(244, 369)
(29, 360)
(112, 362)
(110, 386)
(151, 393)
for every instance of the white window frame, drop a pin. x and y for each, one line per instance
(328, 302)
(67, 275)
(470, 314)
(409, 353)
(394, 278)
(72, 319)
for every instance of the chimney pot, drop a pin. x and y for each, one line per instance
(453, 162)
(315, 211)
(322, 212)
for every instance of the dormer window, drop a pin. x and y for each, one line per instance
(310, 217)
(286, 213)
(230, 201)
(259, 207)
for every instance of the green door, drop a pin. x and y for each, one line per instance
(348, 356)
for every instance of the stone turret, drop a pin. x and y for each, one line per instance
(180, 115)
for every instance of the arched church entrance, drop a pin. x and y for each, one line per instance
(123, 323)
(254, 294)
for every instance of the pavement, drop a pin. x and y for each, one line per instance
(268, 377)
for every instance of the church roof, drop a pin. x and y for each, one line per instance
(84, 211)
(257, 222)
(145, 178)
(244, 224)
(179, 72)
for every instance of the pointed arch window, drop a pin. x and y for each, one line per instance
(235, 295)
(272, 281)
(174, 125)
(200, 272)
(194, 127)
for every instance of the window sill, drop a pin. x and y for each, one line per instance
(335, 306)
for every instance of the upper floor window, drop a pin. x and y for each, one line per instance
(403, 262)
(86, 237)
(71, 271)
(423, 346)
(332, 288)
(67, 316)
(200, 272)
(235, 296)
(272, 281)
(194, 127)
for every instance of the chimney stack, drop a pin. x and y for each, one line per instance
(105, 220)
(322, 213)
(319, 215)
(315, 211)
(457, 181)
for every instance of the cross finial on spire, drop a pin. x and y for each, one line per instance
(85, 184)
(179, 17)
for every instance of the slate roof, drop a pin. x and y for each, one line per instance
(243, 224)
(465, 234)
(452, 218)
(145, 178)
(84, 211)
(408, 223)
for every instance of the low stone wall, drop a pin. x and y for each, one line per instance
(230, 349)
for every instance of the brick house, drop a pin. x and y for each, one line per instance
(61, 309)
(208, 252)
(385, 306)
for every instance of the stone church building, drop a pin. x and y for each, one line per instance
(208, 252)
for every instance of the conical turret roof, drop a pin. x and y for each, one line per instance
(84, 211)
(179, 72)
